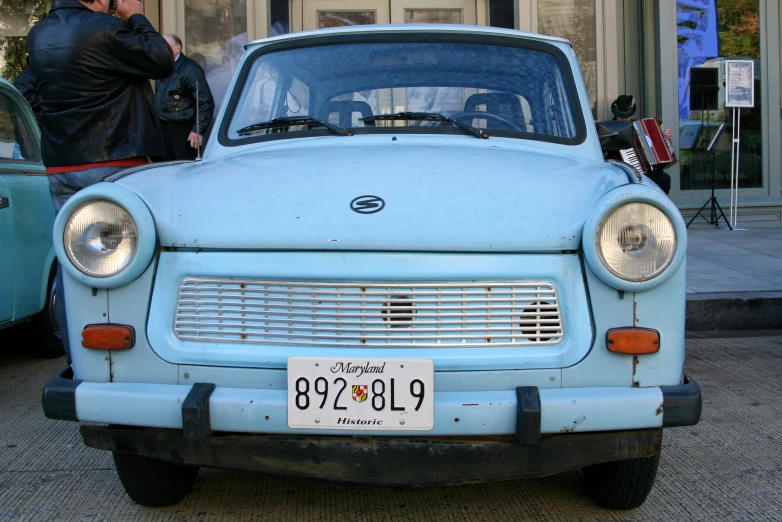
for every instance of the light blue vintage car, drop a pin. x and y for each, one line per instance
(402, 260)
(27, 262)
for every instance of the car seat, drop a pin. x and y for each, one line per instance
(346, 109)
(504, 104)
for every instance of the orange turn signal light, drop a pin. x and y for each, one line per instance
(108, 337)
(633, 341)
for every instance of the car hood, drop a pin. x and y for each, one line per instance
(458, 195)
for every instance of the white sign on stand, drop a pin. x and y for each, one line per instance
(739, 94)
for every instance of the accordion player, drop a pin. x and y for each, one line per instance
(652, 150)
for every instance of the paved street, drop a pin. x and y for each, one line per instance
(728, 467)
(725, 261)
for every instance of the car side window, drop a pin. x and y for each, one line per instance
(17, 142)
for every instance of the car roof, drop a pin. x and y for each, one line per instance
(407, 28)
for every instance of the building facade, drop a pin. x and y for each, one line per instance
(647, 48)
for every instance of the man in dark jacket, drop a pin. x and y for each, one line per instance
(176, 98)
(92, 71)
(98, 116)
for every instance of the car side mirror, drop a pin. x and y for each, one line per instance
(615, 135)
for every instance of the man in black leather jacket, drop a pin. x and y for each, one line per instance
(92, 71)
(176, 98)
(98, 116)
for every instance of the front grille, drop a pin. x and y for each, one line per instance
(518, 313)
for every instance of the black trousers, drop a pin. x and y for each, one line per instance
(176, 143)
(662, 178)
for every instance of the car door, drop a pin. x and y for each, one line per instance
(26, 213)
(6, 255)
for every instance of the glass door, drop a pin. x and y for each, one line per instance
(708, 34)
(213, 33)
(575, 20)
(214, 36)
(320, 14)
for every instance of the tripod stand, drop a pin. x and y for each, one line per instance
(714, 217)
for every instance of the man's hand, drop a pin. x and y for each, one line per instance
(668, 134)
(128, 8)
(195, 140)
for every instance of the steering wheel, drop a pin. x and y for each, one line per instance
(485, 115)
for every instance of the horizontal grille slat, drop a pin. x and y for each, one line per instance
(475, 314)
(366, 308)
(398, 319)
(227, 298)
(373, 327)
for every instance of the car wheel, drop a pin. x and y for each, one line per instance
(153, 482)
(623, 484)
(43, 329)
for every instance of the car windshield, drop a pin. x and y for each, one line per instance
(511, 91)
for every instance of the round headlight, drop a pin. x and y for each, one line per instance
(100, 238)
(636, 241)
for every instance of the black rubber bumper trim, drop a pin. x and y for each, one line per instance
(528, 415)
(195, 413)
(681, 404)
(380, 460)
(59, 396)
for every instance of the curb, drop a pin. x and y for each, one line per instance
(734, 311)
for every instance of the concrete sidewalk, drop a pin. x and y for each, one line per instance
(734, 278)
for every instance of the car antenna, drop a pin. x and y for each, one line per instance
(198, 126)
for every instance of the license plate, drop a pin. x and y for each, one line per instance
(360, 394)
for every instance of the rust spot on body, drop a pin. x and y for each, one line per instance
(573, 426)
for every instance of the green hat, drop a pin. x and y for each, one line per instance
(623, 107)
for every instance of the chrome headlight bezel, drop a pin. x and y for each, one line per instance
(610, 203)
(139, 213)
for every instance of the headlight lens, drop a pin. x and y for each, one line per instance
(101, 239)
(636, 242)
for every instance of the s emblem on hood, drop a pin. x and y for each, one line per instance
(367, 204)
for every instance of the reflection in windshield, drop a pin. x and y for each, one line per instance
(514, 91)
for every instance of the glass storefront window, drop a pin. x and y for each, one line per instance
(215, 34)
(433, 16)
(574, 20)
(709, 32)
(343, 18)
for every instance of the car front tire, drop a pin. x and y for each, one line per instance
(623, 484)
(43, 330)
(153, 482)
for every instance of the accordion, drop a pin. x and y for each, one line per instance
(651, 148)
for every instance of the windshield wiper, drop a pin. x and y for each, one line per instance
(426, 116)
(289, 121)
